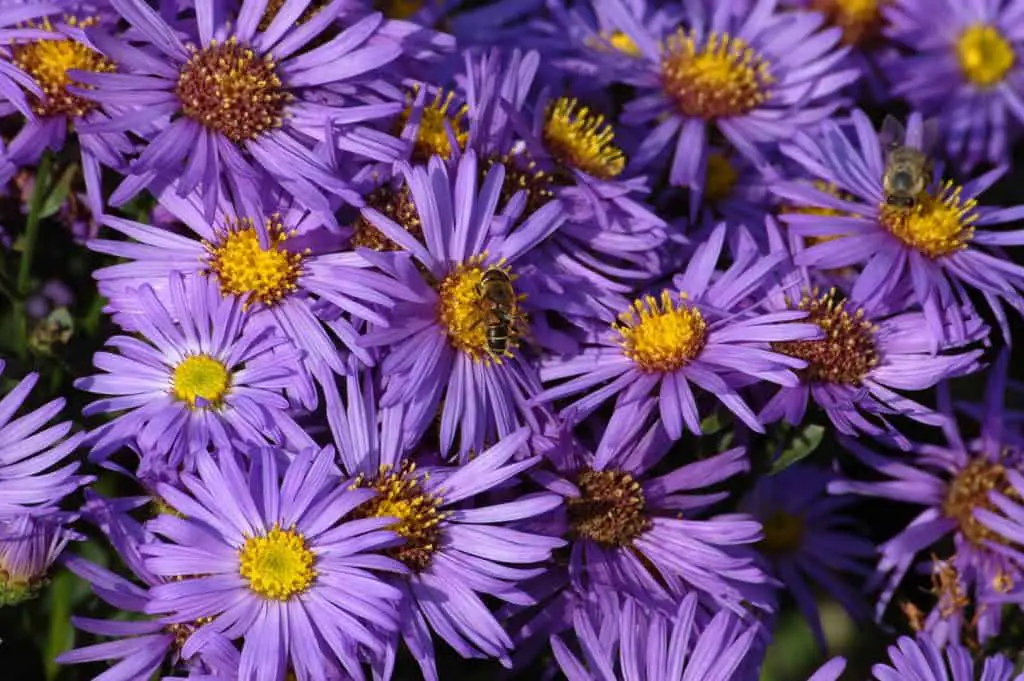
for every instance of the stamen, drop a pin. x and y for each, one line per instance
(398, 206)
(201, 377)
(245, 268)
(277, 565)
(658, 335)
(610, 508)
(936, 226)
(582, 140)
(432, 135)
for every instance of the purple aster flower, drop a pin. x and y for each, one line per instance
(459, 549)
(29, 544)
(200, 376)
(276, 561)
(442, 341)
(935, 247)
(922, 660)
(39, 58)
(810, 540)
(952, 483)
(235, 94)
(707, 335)
(755, 76)
(961, 63)
(284, 268)
(869, 352)
(32, 478)
(653, 647)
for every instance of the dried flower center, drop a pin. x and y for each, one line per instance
(230, 89)
(277, 565)
(245, 267)
(937, 226)
(432, 135)
(582, 140)
(201, 377)
(398, 206)
(471, 310)
(398, 9)
(860, 20)
(783, 533)
(522, 174)
(658, 335)
(847, 353)
(722, 177)
(418, 515)
(969, 490)
(723, 77)
(274, 6)
(609, 509)
(985, 55)
(48, 62)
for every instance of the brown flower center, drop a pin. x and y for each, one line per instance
(969, 491)
(398, 206)
(609, 509)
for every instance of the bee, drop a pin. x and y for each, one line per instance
(908, 169)
(502, 309)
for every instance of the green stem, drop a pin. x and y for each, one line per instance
(39, 192)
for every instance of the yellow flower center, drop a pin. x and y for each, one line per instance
(721, 177)
(619, 42)
(474, 313)
(659, 336)
(277, 565)
(244, 267)
(418, 516)
(582, 140)
(227, 88)
(846, 354)
(985, 55)
(969, 491)
(783, 533)
(201, 377)
(610, 508)
(724, 77)
(936, 225)
(398, 9)
(859, 20)
(48, 62)
(432, 136)
(396, 205)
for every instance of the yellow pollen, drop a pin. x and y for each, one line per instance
(418, 516)
(723, 77)
(201, 377)
(936, 226)
(859, 20)
(582, 140)
(244, 267)
(721, 177)
(465, 312)
(228, 88)
(48, 62)
(969, 491)
(658, 335)
(948, 588)
(985, 55)
(277, 565)
(432, 136)
(783, 533)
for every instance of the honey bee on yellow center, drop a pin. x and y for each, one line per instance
(908, 170)
(501, 309)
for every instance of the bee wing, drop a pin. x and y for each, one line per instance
(893, 133)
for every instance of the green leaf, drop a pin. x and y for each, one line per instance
(61, 635)
(56, 197)
(800, 447)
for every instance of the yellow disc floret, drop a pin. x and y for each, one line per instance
(985, 55)
(432, 135)
(582, 140)
(937, 226)
(466, 311)
(244, 267)
(201, 377)
(661, 336)
(278, 565)
(721, 78)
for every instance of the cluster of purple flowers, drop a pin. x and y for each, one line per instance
(493, 327)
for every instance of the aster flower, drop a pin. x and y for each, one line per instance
(810, 540)
(32, 478)
(200, 377)
(755, 76)
(438, 341)
(281, 265)
(652, 647)
(935, 248)
(231, 98)
(29, 545)
(700, 336)
(458, 548)
(951, 483)
(869, 351)
(961, 63)
(271, 560)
